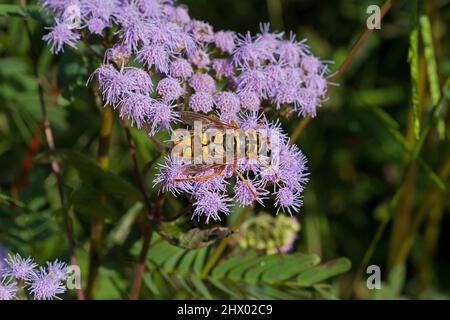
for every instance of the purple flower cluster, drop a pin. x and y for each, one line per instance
(163, 61)
(253, 178)
(42, 283)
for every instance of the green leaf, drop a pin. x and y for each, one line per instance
(200, 259)
(11, 10)
(186, 262)
(324, 271)
(150, 283)
(297, 264)
(91, 173)
(201, 287)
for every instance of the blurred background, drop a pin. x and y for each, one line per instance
(371, 197)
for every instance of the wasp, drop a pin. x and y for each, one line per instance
(215, 144)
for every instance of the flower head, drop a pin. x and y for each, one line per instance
(250, 100)
(225, 41)
(57, 270)
(200, 58)
(227, 102)
(181, 68)
(223, 68)
(210, 204)
(201, 102)
(201, 31)
(138, 107)
(155, 55)
(202, 82)
(138, 80)
(8, 289)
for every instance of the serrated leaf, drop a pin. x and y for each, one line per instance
(322, 272)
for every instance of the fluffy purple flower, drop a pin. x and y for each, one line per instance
(44, 286)
(202, 82)
(253, 81)
(169, 89)
(19, 267)
(200, 58)
(181, 68)
(113, 83)
(179, 14)
(8, 289)
(102, 9)
(250, 53)
(290, 51)
(286, 93)
(311, 64)
(210, 204)
(138, 107)
(201, 31)
(167, 174)
(201, 102)
(227, 102)
(58, 6)
(307, 101)
(268, 40)
(150, 8)
(317, 83)
(246, 193)
(57, 270)
(250, 101)
(223, 68)
(225, 41)
(155, 55)
(99, 14)
(133, 28)
(118, 54)
(72, 15)
(61, 34)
